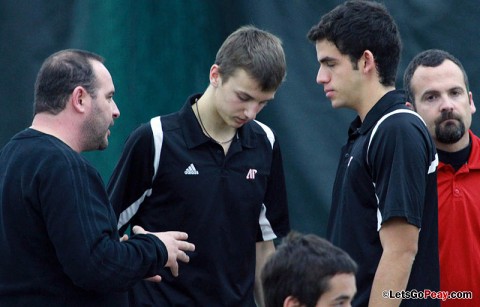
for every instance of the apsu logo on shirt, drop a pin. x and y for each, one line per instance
(251, 174)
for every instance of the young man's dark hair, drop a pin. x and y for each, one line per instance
(361, 25)
(302, 267)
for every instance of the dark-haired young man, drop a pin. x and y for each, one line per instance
(307, 270)
(212, 170)
(385, 188)
(437, 88)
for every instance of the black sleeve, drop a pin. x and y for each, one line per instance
(81, 225)
(400, 158)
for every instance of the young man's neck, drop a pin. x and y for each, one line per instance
(207, 114)
(369, 98)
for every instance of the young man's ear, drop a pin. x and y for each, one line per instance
(214, 75)
(291, 301)
(367, 62)
(409, 105)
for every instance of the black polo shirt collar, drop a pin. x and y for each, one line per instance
(378, 110)
(193, 134)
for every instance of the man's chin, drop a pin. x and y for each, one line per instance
(450, 136)
(336, 104)
(103, 145)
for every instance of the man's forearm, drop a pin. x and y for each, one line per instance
(392, 273)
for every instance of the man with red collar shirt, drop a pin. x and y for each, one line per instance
(437, 88)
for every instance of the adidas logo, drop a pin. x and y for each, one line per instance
(191, 170)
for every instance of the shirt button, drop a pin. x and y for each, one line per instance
(456, 191)
(346, 155)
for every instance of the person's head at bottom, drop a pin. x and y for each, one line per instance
(309, 271)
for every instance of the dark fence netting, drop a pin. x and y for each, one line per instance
(159, 52)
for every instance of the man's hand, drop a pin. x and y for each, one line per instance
(176, 246)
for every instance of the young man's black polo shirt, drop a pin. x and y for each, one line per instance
(387, 169)
(172, 177)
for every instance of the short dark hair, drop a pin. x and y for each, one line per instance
(302, 267)
(258, 52)
(428, 58)
(59, 75)
(358, 25)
